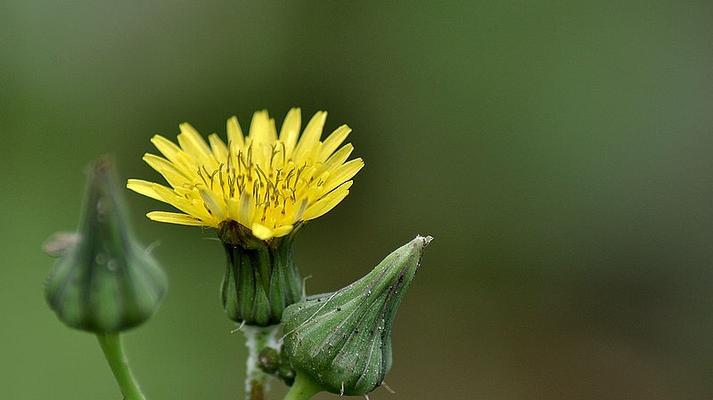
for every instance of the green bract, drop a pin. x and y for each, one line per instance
(105, 282)
(260, 279)
(342, 340)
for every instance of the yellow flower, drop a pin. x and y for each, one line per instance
(265, 182)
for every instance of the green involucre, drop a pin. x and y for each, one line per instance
(261, 278)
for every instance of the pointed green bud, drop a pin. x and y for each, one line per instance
(342, 341)
(261, 278)
(104, 281)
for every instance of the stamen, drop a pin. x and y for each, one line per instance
(284, 152)
(287, 179)
(201, 176)
(273, 151)
(221, 180)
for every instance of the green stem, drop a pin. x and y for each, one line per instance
(303, 388)
(256, 339)
(114, 353)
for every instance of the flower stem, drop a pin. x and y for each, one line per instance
(303, 388)
(114, 353)
(256, 339)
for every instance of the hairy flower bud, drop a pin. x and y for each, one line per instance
(104, 281)
(342, 341)
(260, 279)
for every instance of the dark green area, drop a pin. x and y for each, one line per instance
(559, 152)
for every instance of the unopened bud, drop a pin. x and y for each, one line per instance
(342, 341)
(104, 281)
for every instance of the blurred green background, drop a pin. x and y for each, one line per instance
(559, 152)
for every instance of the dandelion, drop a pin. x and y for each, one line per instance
(267, 183)
(256, 190)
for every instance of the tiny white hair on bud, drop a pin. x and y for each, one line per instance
(151, 247)
(304, 285)
(239, 328)
(388, 388)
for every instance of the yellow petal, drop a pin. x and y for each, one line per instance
(173, 176)
(166, 195)
(199, 210)
(261, 153)
(169, 149)
(336, 160)
(220, 150)
(310, 136)
(299, 211)
(282, 230)
(145, 188)
(290, 130)
(191, 141)
(343, 174)
(235, 134)
(182, 161)
(213, 204)
(261, 130)
(272, 130)
(233, 209)
(246, 208)
(262, 232)
(327, 202)
(333, 141)
(174, 218)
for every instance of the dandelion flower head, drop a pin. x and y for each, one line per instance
(267, 182)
